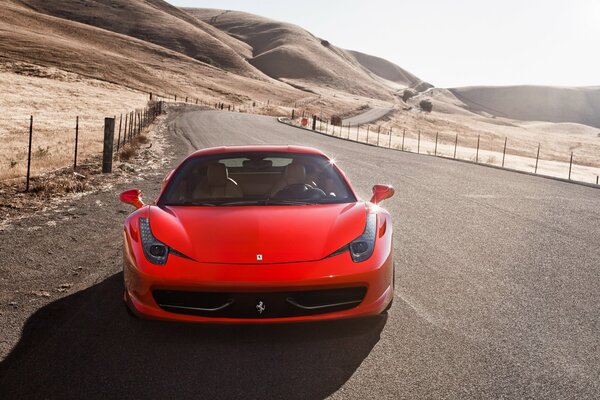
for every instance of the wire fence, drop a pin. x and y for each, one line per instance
(480, 149)
(34, 145)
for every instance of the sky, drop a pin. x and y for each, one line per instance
(452, 43)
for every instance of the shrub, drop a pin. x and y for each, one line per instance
(407, 94)
(426, 105)
(205, 59)
(336, 120)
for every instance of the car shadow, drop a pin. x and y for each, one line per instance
(87, 346)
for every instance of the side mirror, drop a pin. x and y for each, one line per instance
(133, 197)
(381, 192)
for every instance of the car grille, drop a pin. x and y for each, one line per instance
(259, 305)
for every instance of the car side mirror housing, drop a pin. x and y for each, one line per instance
(381, 192)
(133, 197)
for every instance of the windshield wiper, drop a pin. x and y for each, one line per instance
(284, 202)
(243, 203)
(192, 203)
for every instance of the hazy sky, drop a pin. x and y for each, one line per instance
(455, 42)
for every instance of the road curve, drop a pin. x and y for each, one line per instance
(371, 115)
(497, 295)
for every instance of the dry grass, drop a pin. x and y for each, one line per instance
(55, 99)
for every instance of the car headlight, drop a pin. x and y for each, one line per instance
(363, 246)
(155, 251)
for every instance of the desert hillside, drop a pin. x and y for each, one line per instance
(157, 22)
(535, 103)
(46, 41)
(291, 54)
(389, 71)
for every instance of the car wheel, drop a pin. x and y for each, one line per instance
(128, 305)
(393, 287)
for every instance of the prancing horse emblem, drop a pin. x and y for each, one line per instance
(259, 257)
(260, 307)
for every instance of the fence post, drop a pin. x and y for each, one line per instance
(357, 129)
(293, 113)
(348, 130)
(125, 130)
(378, 133)
(390, 143)
(504, 152)
(537, 159)
(570, 165)
(597, 179)
(419, 143)
(314, 122)
(29, 153)
(368, 128)
(403, 135)
(327, 126)
(455, 145)
(477, 154)
(119, 138)
(107, 154)
(76, 142)
(131, 125)
(436, 142)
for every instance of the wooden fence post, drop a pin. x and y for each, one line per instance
(436, 142)
(119, 138)
(419, 143)
(537, 158)
(29, 153)
(368, 128)
(477, 154)
(125, 130)
(107, 153)
(504, 152)
(403, 135)
(390, 143)
(570, 165)
(76, 142)
(455, 145)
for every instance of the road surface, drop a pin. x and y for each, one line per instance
(372, 114)
(497, 296)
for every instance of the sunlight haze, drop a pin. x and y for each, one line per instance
(455, 43)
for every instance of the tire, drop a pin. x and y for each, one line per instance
(128, 306)
(393, 287)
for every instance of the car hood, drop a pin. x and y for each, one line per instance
(245, 234)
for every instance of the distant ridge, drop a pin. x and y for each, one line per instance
(290, 53)
(390, 71)
(157, 22)
(535, 103)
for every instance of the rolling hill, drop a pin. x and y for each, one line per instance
(291, 54)
(27, 35)
(535, 103)
(390, 72)
(157, 22)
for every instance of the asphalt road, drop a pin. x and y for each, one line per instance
(497, 296)
(370, 115)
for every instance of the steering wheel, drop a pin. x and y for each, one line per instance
(300, 191)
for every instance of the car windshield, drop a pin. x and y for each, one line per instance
(257, 179)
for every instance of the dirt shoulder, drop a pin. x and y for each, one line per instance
(53, 246)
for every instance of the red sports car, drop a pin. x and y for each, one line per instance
(258, 234)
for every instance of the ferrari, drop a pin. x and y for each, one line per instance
(256, 234)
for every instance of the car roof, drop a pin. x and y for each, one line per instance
(257, 149)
